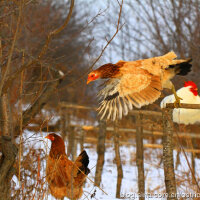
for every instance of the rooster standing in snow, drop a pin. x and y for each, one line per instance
(136, 83)
(65, 178)
(189, 94)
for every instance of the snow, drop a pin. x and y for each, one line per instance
(154, 173)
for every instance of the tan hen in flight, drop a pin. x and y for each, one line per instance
(136, 83)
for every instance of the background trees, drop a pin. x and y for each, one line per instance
(29, 68)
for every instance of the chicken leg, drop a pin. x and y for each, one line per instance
(178, 99)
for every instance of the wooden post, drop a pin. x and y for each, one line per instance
(68, 128)
(118, 159)
(72, 143)
(140, 156)
(193, 155)
(71, 148)
(193, 167)
(100, 152)
(63, 122)
(168, 161)
(82, 138)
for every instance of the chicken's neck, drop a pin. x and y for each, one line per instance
(57, 149)
(109, 71)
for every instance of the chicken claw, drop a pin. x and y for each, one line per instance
(178, 99)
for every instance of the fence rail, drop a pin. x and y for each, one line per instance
(168, 143)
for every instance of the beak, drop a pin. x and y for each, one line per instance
(47, 137)
(88, 81)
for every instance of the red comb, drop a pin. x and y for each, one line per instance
(190, 83)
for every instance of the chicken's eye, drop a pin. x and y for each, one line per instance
(92, 75)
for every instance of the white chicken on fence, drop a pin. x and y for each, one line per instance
(189, 94)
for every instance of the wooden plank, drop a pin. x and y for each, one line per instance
(183, 105)
(152, 146)
(76, 106)
(131, 130)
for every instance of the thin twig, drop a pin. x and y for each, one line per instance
(91, 180)
(42, 52)
(104, 48)
(109, 41)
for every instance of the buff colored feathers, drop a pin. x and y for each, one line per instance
(135, 83)
(65, 178)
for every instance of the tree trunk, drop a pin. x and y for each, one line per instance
(100, 152)
(118, 160)
(63, 122)
(168, 161)
(9, 152)
(139, 156)
(71, 148)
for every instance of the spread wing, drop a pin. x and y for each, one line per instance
(134, 89)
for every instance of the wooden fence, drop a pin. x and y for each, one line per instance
(167, 136)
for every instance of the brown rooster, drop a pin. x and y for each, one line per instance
(65, 178)
(136, 83)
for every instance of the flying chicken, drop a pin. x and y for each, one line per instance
(65, 178)
(189, 94)
(136, 83)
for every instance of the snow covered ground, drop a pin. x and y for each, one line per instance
(154, 174)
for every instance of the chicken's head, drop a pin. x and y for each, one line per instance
(57, 145)
(92, 76)
(53, 137)
(192, 87)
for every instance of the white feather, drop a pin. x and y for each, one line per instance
(181, 115)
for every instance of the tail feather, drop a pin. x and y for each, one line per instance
(182, 68)
(82, 162)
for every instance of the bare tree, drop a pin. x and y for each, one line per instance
(14, 61)
(165, 26)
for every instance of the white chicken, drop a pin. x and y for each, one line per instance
(189, 94)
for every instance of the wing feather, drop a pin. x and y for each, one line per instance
(129, 104)
(125, 107)
(115, 109)
(110, 109)
(120, 108)
(135, 89)
(105, 109)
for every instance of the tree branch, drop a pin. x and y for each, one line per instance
(42, 52)
(109, 41)
(40, 102)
